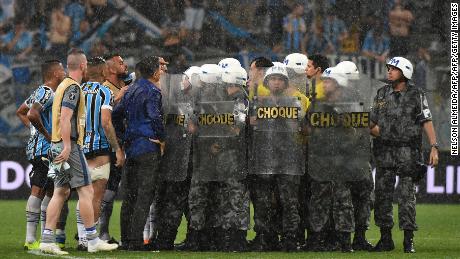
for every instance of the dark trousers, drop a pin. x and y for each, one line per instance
(288, 187)
(140, 182)
(173, 202)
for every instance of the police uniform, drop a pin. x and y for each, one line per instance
(400, 116)
(176, 166)
(219, 204)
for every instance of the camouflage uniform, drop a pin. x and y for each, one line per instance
(362, 192)
(176, 169)
(397, 151)
(325, 194)
(222, 201)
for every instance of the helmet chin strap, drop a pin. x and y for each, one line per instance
(397, 81)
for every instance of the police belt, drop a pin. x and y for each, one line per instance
(394, 143)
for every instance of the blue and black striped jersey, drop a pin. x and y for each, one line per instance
(97, 97)
(37, 144)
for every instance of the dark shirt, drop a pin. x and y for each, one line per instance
(139, 112)
(400, 116)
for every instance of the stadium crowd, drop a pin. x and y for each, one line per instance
(206, 142)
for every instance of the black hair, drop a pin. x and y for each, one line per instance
(47, 68)
(262, 62)
(111, 55)
(95, 61)
(147, 66)
(320, 61)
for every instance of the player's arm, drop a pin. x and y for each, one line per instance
(22, 114)
(65, 121)
(109, 130)
(68, 105)
(34, 117)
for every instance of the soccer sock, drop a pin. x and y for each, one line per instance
(60, 236)
(60, 226)
(91, 235)
(106, 212)
(146, 232)
(43, 208)
(33, 217)
(80, 227)
(48, 236)
(151, 220)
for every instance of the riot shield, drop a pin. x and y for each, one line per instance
(277, 143)
(219, 149)
(178, 111)
(339, 140)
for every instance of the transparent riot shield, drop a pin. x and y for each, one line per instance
(338, 129)
(277, 136)
(219, 149)
(178, 111)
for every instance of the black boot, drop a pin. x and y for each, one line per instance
(315, 243)
(241, 244)
(289, 243)
(409, 241)
(234, 241)
(264, 242)
(332, 241)
(345, 242)
(165, 240)
(359, 241)
(213, 239)
(386, 241)
(192, 242)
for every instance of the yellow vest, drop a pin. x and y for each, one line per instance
(261, 91)
(304, 101)
(56, 112)
(319, 89)
(112, 87)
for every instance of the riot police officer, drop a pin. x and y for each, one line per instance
(400, 112)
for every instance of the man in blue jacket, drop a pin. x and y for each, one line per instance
(140, 111)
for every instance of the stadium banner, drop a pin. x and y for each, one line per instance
(441, 185)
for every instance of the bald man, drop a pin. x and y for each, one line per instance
(68, 160)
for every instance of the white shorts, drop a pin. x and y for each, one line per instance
(194, 18)
(100, 172)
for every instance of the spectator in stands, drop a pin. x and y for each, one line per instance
(421, 67)
(97, 11)
(194, 17)
(316, 41)
(98, 48)
(60, 32)
(376, 47)
(76, 11)
(3, 18)
(294, 30)
(8, 7)
(84, 28)
(350, 44)
(277, 10)
(334, 30)
(260, 18)
(400, 21)
(17, 42)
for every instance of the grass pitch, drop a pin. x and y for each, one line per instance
(438, 237)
